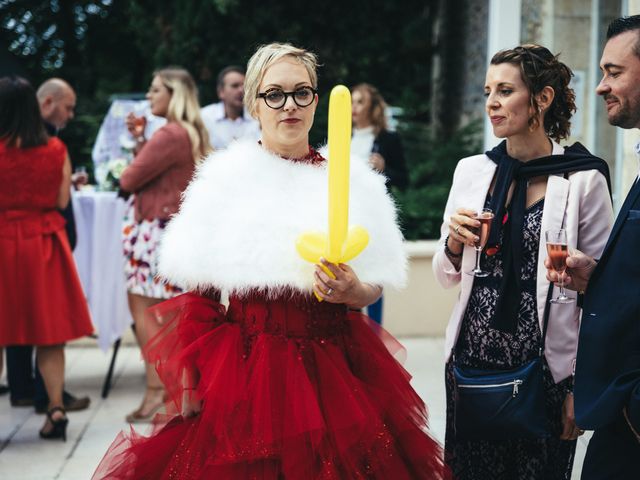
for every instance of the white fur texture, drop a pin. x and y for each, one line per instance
(242, 213)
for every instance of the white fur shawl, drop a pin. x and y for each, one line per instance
(241, 215)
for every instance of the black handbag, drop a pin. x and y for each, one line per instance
(502, 404)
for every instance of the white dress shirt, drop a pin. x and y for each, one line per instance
(362, 142)
(222, 130)
(637, 148)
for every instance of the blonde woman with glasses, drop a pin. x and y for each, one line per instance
(160, 171)
(278, 385)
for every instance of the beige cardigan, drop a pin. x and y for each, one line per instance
(582, 201)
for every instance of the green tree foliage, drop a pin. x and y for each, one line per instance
(105, 47)
(85, 42)
(431, 161)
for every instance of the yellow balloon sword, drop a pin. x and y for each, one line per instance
(341, 243)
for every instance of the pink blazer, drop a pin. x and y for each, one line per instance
(160, 172)
(582, 201)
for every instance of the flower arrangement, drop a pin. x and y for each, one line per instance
(108, 173)
(115, 167)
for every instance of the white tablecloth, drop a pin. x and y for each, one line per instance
(100, 261)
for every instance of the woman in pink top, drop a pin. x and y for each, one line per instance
(532, 184)
(161, 170)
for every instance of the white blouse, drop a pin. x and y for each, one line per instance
(362, 142)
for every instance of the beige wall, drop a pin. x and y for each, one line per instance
(423, 307)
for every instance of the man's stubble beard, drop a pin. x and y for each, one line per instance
(626, 117)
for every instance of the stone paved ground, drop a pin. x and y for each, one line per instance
(24, 456)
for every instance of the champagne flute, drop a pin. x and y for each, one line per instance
(79, 177)
(138, 126)
(558, 251)
(484, 217)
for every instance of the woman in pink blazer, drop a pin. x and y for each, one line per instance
(532, 184)
(159, 173)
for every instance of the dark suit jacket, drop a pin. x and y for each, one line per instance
(67, 212)
(608, 362)
(388, 145)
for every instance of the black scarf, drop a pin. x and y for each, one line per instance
(576, 158)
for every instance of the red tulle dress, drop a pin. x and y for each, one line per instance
(291, 388)
(41, 299)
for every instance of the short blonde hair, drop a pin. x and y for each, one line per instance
(184, 108)
(267, 55)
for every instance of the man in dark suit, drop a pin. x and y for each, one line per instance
(57, 103)
(607, 375)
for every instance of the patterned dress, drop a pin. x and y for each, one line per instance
(481, 346)
(140, 241)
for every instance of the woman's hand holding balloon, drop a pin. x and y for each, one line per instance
(345, 288)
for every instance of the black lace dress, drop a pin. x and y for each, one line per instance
(481, 346)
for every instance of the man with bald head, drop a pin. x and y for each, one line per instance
(57, 102)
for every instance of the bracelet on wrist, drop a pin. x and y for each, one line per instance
(448, 251)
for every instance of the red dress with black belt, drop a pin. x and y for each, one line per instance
(291, 388)
(41, 299)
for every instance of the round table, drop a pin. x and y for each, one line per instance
(100, 261)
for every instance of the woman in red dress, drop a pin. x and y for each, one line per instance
(41, 300)
(277, 385)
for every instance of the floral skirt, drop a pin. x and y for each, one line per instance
(140, 242)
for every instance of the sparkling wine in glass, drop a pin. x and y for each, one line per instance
(484, 217)
(80, 177)
(558, 251)
(138, 126)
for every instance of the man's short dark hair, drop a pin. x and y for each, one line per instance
(626, 24)
(225, 70)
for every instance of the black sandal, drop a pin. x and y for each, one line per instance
(59, 427)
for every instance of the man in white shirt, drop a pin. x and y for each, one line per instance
(228, 120)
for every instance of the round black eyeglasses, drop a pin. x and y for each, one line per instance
(276, 98)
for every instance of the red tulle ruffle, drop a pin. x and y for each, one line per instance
(290, 389)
